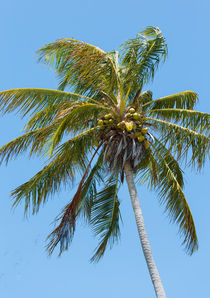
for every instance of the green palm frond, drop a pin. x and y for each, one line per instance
(77, 119)
(169, 187)
(182, 100)
(105, 215)
(141, 57)
(189, 118)
(142, 98)
(80, 65)
(34, 140)
(45, 117)
(34, 99)
(69, 158)
(180, 139)
(39, 139)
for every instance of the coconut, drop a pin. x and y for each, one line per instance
(144, 130)
(110, 120)
(128, 126)
(108, 116)
(146, 144)
(121, 125)
(100, 122)
(141, 138)
(132, 110)
(137, 134)
(136, 116)
(134, 126)
(128, 115)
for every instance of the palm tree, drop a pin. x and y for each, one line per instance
(108, 128)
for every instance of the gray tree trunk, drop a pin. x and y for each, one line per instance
(159, 290)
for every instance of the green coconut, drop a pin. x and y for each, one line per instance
(136, 116)
(108, 116)
(111, 121)
(121, 125)
(132, 110)
(144, 130)
(128, 115)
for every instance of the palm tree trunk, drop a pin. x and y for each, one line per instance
(160, 293)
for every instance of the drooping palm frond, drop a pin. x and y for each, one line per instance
(188, 118)
(170, 190)
(182, 100)
(105, 215)
(180, 139)
(33, 100)
(89, 188)
(63, 234)
(69, 158)
(80, 65)
(141, 57)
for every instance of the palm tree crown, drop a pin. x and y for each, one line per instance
(109, 121)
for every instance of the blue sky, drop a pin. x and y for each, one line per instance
(25, 268)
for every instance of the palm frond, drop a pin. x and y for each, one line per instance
(169, 187)
(142, 98)
(80, 65)
(34, 140)
(141, 57)
(63, 234)
(89, 188)
(33, 100)
(77, 119)
(105, 215)
(69, 158)
(182, 100)
(189, 118)
(185, 142)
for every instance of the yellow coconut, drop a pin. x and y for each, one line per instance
(137, 134)
(141, 138)
(146, 144)
(121, 125)
(128, 126)
(144, 130)
(134, 126)
(111, 121)
(100, 122)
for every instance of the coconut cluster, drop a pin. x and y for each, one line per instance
(131, 124)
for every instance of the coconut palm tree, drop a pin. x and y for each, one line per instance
(108, 129)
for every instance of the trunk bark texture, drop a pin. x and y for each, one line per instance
(159, 290)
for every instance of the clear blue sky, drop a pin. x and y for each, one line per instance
(25, 269)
